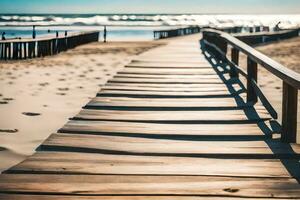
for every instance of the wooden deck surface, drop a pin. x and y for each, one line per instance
(169, 126)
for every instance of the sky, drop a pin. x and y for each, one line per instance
(152, 6)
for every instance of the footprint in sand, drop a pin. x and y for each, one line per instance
(3, 102)
(8, 130)
(2, 149)
(63, 89)
(61, 79)
(8, 99)
(81, 75)
(31, 114)
(277, 88)
(44, 84)
(61, 93)
(100, 64)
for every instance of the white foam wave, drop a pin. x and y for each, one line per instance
(287, 21)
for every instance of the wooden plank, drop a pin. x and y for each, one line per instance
(158, 59)
(174, 89)
(184, 130)
(167, 71)
(215, 80)
(169, 85)
(157, 94)
(168, 147)
(74, 197)
(171, 58)
(168, 65)
(229, 116)
(201, 59)
(141, 197)
(103, 164)
(174, 57)
(149, 185)
(170, 76)
(221, 103)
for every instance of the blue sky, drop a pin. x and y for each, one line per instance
(151, 6)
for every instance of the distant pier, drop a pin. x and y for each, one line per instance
(18, 49)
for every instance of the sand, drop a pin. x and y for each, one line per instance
(38, 96)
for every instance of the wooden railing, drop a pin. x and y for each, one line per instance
(31, 48)
(161, 34)
(265, 37)
(217, 43)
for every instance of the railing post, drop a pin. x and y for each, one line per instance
(235, 60)
(289, 113)
(252, 75)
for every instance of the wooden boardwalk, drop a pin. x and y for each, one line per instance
(170, 125)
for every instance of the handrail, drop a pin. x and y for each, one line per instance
(218, 41)
(285, 74)
(265, 37)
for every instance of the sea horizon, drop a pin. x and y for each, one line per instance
(131, 26)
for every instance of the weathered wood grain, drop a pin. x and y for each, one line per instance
(168, 94)
(141, 197)
(170, 76)
(168, 71)
(213, 103)
(101, 164)
(175, 116)
(166, 127)
(149, 185)
(178, 80)
(183, 130)
(168, 147)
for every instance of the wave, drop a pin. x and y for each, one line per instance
(287, 21)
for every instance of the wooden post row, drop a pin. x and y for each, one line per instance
(252, 75)
(289, 113)
(235, 59)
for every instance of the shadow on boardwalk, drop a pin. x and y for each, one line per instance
(292, 163)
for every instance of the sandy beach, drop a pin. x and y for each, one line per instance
(286, 52)
(38, 96)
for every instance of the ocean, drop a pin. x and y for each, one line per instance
(123, 27)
